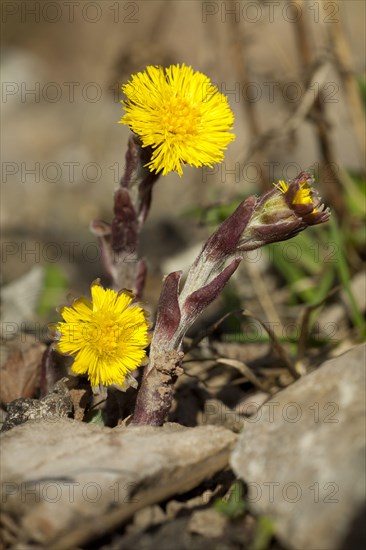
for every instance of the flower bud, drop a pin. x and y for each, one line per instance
(283, 212)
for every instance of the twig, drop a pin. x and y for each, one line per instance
(210, 329)
(246, 371)
(292, 122)
(276, 344)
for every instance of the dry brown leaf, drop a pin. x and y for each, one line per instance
(21, 360)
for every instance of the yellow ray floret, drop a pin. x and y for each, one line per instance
(180, 114)
(106, 335)
(302, 196)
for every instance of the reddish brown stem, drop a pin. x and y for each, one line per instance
(157, 389)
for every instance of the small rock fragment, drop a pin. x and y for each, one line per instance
(55, 405)
(208, 523)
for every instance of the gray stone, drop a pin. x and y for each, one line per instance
(51, 408)
(66, 482)
(303, 456)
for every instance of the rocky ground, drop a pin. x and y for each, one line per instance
(300, 456)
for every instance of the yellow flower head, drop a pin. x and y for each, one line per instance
(180, 114)
(303, 195)
(106, 335)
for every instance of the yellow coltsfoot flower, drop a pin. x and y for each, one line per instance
(180, 114)
(303, 194)
(106, 335)
(303, 199)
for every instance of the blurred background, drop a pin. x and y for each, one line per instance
(294, 76)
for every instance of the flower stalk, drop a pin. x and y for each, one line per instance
(120, 240)
(277, 215)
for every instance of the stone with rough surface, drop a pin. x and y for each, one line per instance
(303, 457)
(65, 482)
(55, 405)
